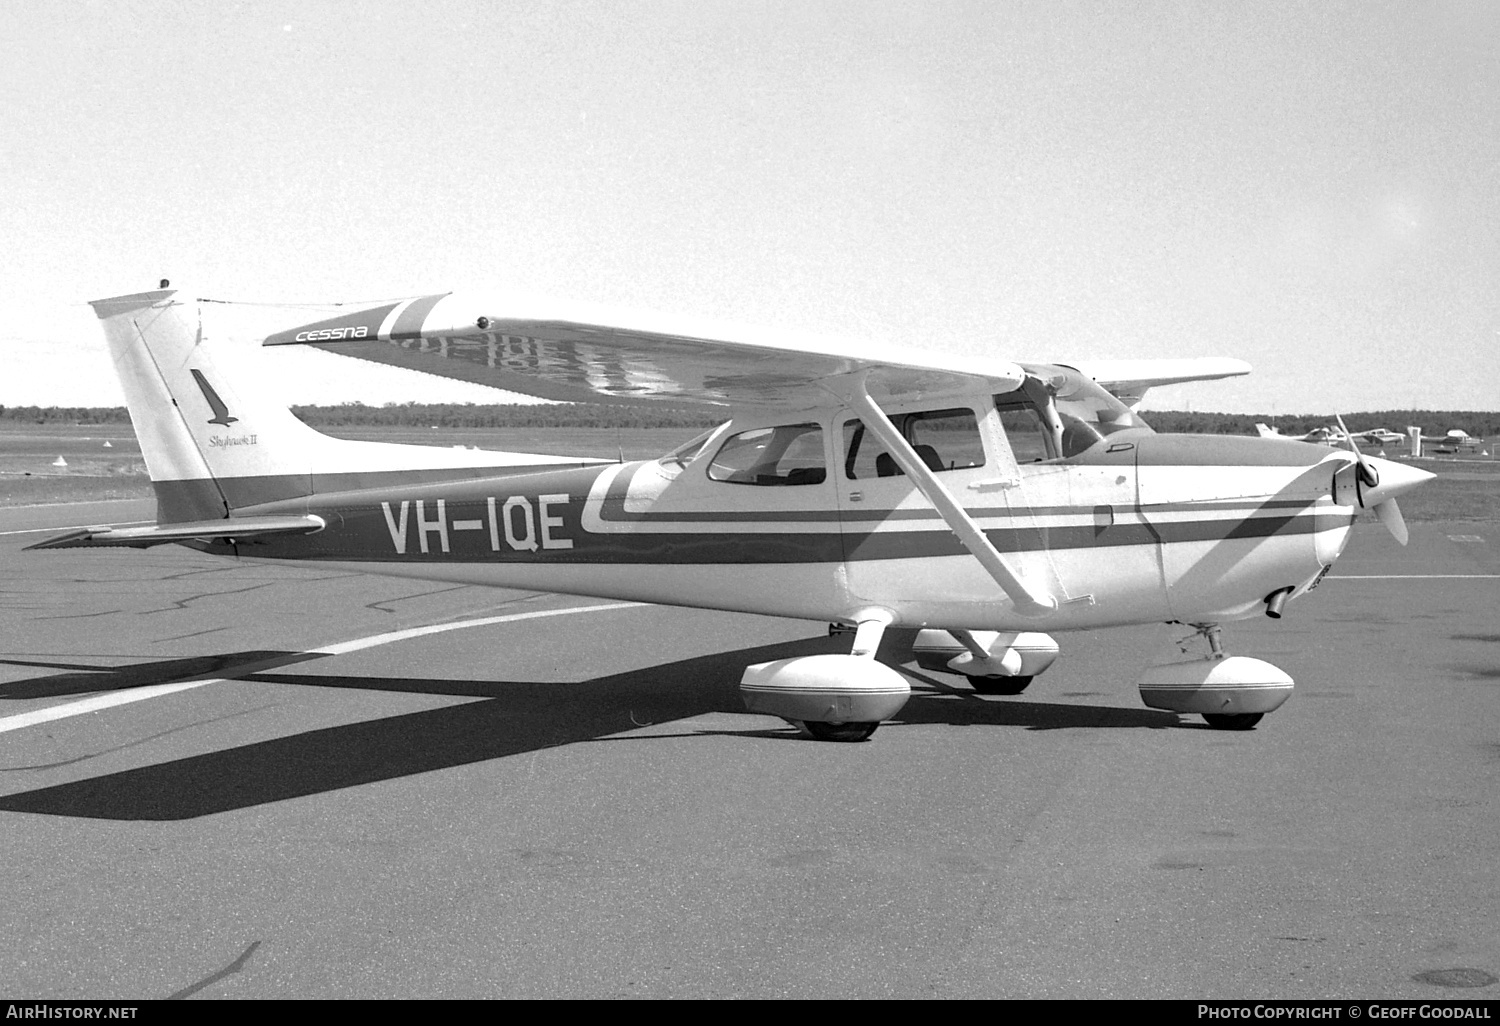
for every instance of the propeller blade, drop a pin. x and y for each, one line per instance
(1367, 474)
(1390, 515)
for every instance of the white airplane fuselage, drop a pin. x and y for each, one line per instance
(1142, 529)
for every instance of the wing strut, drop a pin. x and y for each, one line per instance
(1027, 602)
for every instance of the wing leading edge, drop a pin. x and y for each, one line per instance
(578, 355)
(1129, 380)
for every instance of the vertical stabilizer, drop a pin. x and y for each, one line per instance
(202, 437)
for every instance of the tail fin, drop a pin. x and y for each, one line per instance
(1267, 432)
(202, 439)
(213, 445)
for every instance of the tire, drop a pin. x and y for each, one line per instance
(999, 685)
(1232, 721)
(839, 731)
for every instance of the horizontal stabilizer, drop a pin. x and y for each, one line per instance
(199, 530)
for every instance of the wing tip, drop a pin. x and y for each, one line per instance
(71, 540)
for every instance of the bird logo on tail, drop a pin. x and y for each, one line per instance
(221, 412)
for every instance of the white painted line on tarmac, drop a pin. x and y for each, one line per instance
(80, 502)
(115, 698)
(1412, 577)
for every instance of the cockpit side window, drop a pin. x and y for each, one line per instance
(790, 454)
(943, 439)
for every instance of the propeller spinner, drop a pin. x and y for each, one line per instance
(1377, 482)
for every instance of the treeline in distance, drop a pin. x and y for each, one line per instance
(1480, 424)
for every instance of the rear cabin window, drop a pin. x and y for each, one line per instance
(943, 439)
(788, 455)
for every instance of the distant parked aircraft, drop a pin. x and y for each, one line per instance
(1378, 436)
(1333, 436)
(1318, 435)
(1457, 440)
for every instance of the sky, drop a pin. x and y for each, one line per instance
(1308, 187)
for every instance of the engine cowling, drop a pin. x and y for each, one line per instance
(825, 689)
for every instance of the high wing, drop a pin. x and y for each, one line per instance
(576, 354)
(232, 528)
(1129, 380)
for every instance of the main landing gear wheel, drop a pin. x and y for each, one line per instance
(1232, 721)
(999, 685)
(839, 731)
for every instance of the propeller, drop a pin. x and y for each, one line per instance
(1369, 478)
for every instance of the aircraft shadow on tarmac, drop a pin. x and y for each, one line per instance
(91, 679)
(513, 718)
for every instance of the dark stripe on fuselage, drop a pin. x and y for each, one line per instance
(539, 520)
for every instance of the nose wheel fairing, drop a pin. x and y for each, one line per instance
(1196, 675)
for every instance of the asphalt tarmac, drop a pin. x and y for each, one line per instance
(574, 804)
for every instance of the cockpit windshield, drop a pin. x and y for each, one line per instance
(1059, 412)
(687, 451)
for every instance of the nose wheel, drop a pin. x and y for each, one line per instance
(1232, 721)
(839, 731)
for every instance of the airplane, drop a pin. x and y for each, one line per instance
(1335, 436)
(1378, 436)
(880, 490)
(1318, 435)
(1457, 440)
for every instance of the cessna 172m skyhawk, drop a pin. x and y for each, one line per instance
(983, 502)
